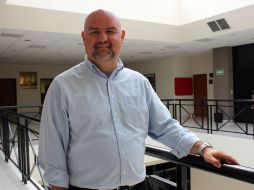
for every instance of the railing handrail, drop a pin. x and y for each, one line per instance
(238, 172)
(210, 100)
(22, 106)
(18, 114)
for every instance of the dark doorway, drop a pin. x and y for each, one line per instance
(200, 94)
(243, 67)
(44, 88)
(151, 78)
(8, 95)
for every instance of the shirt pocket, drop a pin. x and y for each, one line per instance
(135, 109)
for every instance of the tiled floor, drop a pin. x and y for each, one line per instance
(10, 178)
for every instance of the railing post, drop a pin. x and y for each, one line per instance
(19, 144)
(175, 105)
(252, 110)
(208, 115)
(173, 110)
(21, 150)
(27, 149)
(6, 139)
(210, 127)
(249, 108)
(202, 114)
(217, 111)
(23, 155)
(182, 177)
(180, 111)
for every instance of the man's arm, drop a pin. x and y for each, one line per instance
(212, 155)
(54, 137)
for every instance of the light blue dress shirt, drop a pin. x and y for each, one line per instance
(93, 128)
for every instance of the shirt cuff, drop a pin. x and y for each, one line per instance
(56, 177)
(184, 147)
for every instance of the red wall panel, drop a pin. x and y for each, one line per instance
(183, 86)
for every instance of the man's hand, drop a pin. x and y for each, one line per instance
(215, 157)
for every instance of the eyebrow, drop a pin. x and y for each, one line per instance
(93, 28)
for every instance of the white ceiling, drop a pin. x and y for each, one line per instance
(25, 41)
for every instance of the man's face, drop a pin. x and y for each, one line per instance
(103, 37)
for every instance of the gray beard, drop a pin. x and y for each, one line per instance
(104, 57)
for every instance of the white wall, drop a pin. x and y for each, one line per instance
(30, 96)
(167, 69)
(2, 2)
(182, 67)
(163, 74)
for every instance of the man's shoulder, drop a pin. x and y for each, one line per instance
(134, 73)
(69, 73)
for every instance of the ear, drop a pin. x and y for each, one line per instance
(123, 34)
(83, 35)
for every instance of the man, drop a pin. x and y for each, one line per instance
(97, 115)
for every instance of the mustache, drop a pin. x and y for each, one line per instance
(98, 44)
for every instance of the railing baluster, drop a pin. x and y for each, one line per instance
(27, 149)
(182, 177)
(6, 139)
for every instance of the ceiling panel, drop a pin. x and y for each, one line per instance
(5, 43)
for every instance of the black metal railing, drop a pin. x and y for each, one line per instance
(238, 172)
(229, 116)
(19, 135)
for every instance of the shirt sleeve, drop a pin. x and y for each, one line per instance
(165, 129)
(54, 137)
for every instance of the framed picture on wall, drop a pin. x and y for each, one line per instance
(28, 80)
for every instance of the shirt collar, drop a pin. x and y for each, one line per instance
(96, 70)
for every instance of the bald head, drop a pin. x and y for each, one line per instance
(101, 14)
(103, 39)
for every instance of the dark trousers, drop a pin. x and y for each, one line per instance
(140, 186)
